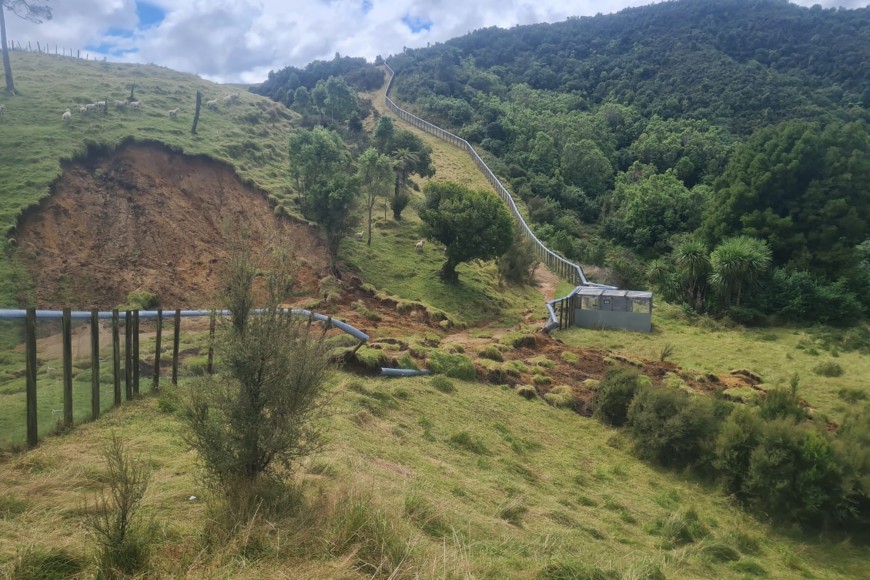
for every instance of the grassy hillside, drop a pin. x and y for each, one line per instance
(775, 353)
(34, 140)
(477, 482)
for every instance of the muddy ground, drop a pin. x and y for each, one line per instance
(149, 219)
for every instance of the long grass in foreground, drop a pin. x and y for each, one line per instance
(417, 481)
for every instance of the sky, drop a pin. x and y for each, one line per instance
(242, 40)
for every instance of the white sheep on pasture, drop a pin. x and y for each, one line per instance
(135, 105)
(91, 106)
(67, 116)
(358, 235)
(173, 114)
(121, 105)
(83, 110)
(419, 245)
(212, 104)
(2, 110)
(233, 98)
(100, 104)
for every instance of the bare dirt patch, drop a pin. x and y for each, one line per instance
(149, 219)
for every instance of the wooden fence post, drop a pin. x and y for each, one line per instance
(30, 371)
(155, 385)
(66, 331)
(135, 352)
(175, 343)
(210, 366)
(128, 354)
(95, 365)
(116, 356)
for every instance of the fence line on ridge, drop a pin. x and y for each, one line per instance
(563, 268)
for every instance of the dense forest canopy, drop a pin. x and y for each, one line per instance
(632, 135)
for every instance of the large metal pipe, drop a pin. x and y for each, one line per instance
(404, 372)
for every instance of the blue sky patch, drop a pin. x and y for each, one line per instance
(109, 49)
(119, 32)
(149, 14)
(417, 24)
(366, 6)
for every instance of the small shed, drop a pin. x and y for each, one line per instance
(606, 308)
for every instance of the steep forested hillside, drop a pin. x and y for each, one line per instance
(664, 131)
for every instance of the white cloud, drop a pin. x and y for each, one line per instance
(241, 40)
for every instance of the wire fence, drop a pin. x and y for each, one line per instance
(46, 48)
(62, 368)
(565, 269)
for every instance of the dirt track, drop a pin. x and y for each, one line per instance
(146, 218)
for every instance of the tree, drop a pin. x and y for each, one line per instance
(315, 156)
(473, 224)
(23, 9)
(518, 264)
(383, 134)
(737, 263)
(404, 160)
(260, 409)
(331, 204)
(375, 175)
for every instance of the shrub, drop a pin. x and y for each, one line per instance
(141, 300)
(670, 428)
(793, 474)
(614, 395)
(517, 265)
(782, 403)
(457, 366)
(114, 523)
(261, 409)
(737, 439)
(443, 384)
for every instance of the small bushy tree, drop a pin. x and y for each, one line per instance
(473, 224)
(518, 264)
(114, 522)
(671, 428)
(261, 408)
(615, 392)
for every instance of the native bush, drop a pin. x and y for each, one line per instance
(114, 523)
(670, 428)
(615, 393)
(793, 474)
(260, 410)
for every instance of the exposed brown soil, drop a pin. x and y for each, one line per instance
(146, 218)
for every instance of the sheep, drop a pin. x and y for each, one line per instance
(135, 105)
(84, 110)
(212, 104)
(230, 99)
(173, 114)
(67, 116)
(2, 110)
(358, 235)
(91, 106)
(419, 245)
(120, 105)
(100, 104)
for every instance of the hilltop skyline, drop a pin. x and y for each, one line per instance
(241, 41)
